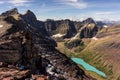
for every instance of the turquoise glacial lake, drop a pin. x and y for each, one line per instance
(88, 66)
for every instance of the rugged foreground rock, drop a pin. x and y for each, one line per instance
(12, 74)
(31, 52)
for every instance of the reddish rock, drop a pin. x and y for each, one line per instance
(12, 73)
(8, 78)
(40, 77)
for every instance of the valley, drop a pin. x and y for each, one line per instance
(101, 51)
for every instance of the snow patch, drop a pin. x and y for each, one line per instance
(94, 38)
(49, 69)
(105, 26)
(58, 35)
(1, 26)
(75, 36)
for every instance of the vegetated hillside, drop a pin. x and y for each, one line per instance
(101, 51)
(27, 52)
(104, 52)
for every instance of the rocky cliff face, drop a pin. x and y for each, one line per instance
(89, 29)
(25, 48)
(31, 19)
(69, 29)
(63, 27)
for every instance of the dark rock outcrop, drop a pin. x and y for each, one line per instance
(26, 48)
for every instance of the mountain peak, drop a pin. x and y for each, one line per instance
(90, 20)
(30, 15)
(29, 12)
(10, 12)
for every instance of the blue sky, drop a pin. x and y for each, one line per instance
(66, 9)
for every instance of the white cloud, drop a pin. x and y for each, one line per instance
(20, 2)
(79, 4)
(44, 9)
(1, 2)
(100, 18)
(69, 0)
(104, 13)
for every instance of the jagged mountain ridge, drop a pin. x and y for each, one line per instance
(64, 28)
(10, 12)
(68, 29)
(22, 43)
